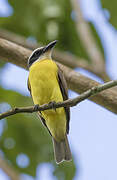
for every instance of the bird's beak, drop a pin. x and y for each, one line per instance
(49, 46)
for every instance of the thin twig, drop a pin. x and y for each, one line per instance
(68, 103)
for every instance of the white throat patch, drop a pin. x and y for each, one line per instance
(46, 55)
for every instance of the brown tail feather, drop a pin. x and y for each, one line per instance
(62, 150)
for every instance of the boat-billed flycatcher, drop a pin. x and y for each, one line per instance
(47, 84)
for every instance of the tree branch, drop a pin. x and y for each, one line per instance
(64, 58)
(18, 55)
(89, 43)
(8, 170)
(68, 103)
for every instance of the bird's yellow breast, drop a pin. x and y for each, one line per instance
(44, 89)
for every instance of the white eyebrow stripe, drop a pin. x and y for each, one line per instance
(35, 51)
(33, 57)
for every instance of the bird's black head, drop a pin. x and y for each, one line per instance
(37, 53)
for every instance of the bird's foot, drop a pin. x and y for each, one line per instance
(36, 106)
(52, 103)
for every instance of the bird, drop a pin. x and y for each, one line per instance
(47, 85)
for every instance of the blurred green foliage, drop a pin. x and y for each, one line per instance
(29, 137)
(110, 10)
(45, 20)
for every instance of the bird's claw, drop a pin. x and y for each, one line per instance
(52, 103)
(36, 106)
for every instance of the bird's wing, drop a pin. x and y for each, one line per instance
(43, 121)
(64, 91)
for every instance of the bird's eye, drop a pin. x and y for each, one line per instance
(36, 53)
